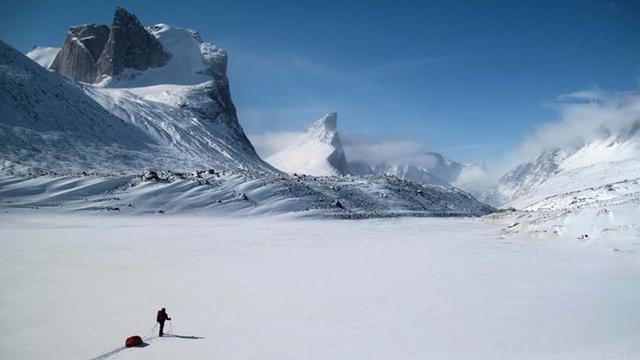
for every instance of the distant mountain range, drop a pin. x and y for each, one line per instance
(608, 157)
(319, 151)
(123, 108)
(137, 119)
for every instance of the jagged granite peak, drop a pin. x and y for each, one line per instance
(82, 47)
(129, 55)
(129, 46)
(318, 151)
(191, 116)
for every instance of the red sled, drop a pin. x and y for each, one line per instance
(133, 341)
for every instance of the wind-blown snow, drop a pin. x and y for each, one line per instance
(603, 149)
(318, 151)
(280, 289)
(43, 55)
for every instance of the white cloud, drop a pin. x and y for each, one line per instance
(376, 150)
(611, 115)
(586, 95)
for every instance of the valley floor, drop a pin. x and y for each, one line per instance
(276, 288)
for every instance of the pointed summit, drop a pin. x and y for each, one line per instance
(329, 122)
(129, 46)
(318, 151)
(324, 130)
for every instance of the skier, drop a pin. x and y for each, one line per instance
(160, 318)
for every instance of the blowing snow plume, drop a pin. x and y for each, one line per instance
(318, 151)
(595, 143)
(586, 117)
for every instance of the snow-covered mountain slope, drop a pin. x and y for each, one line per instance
(43, 55)
(610, 156)
(197, 124)
(49, 123)
(598, 212)
(174, 117)
(185, 105)
(318, 151)
(237, 193)
(556, 172)
(182, 109)
(564, 184)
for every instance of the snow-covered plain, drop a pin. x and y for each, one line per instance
(278, 288)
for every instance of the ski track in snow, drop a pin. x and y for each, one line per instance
(276, 288)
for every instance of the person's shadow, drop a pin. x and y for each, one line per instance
(185, 337)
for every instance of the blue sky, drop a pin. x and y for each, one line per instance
(471, 79)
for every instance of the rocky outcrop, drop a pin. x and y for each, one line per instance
(81, 49)
(215, 60)
(92, 52)
(129, 46)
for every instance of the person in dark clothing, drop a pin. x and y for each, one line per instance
(161, 318)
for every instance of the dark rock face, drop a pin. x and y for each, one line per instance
(92, 52)
(81, 49)
(129, 46)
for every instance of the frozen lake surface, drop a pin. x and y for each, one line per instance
(74, 287)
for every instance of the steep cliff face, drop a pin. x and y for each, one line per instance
(81, 49)
(129, 46)
(168, 83)
(91, 52)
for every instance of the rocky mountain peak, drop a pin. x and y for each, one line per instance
(325, 130)
(92, 52)
(329, 122)
(129, 46)
(318, 151)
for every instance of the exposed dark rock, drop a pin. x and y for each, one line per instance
(81, 49)
(215, 59)
(129, 46)
(150, 175)
(92, 52)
